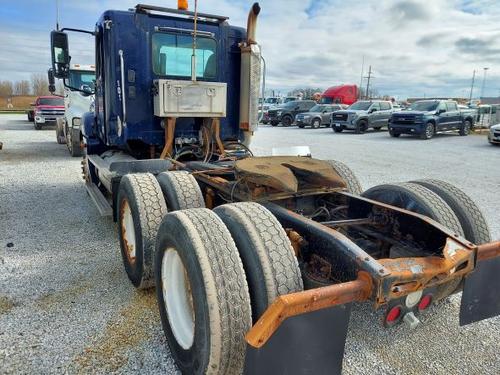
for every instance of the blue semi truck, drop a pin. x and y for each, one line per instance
(256, 261)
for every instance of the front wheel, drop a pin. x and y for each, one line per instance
(465, 128)
(316, 123)
(337, 128)
(361, 127)
(274, 123)
(73, 142)
(38, 126)
(428, 132)
(392, 133)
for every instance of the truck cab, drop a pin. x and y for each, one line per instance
(362, 115)
(78, 99)
(425, 118)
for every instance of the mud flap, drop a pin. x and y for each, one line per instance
(481, 295)
(311, 343)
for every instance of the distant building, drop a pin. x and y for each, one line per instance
(490, 100)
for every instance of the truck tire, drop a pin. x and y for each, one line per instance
(286, 120)
(429, 131)
(361, 127)
(74, 142)
(337, 129)
(270, 264)
(181, 190)
(141, 207)
(38, 126)
(61, 139)
(316, 123)
(302, 126)
(352, 182)
(416, 198)
(274, 123)
(202, 293)
(468, 213)
(465, 128)
(392, 133)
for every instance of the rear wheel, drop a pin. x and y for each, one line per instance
(268, 258)
(346, 173)
(73, 142)
(181, 191)
(202, 293)
(316, 123)
(287, 120)
(468, 213)
(141, 208)
(416, 198)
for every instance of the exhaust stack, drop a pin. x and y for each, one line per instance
(250, 78)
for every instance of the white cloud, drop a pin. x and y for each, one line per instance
(414, 47)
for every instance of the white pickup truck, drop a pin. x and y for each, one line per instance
(78, 99)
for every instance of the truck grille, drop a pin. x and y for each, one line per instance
(339, 116)
(404, 119)
(52, 112)
(496, 134)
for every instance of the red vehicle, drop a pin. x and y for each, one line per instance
(343, 94)
(47, 110)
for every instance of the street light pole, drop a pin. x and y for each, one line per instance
(484, 80)
(472, 86)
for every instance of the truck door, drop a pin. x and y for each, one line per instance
(453, 115)
(443, 119)
(374, 115)
(385, 113)
(99, 105)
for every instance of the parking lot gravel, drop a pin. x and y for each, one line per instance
(66, 305)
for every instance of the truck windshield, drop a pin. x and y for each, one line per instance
(79, 78)
(361, 106)
(56, 102)
(172, 55)
(426, 106)
(271, 100)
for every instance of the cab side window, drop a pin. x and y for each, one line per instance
(441, 106)
(450, 106)
(375, 106)
(384, 106)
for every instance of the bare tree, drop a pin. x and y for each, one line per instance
(6, 88)
(22, 87)
(39, 84)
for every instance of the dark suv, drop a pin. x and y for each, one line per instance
(286, 113)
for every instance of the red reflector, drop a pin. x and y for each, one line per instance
(425, 302)
(393, 314)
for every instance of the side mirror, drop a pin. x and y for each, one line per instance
(52, 82)
(60, 54)
(297, 108)
(442, 110)
(372, 110)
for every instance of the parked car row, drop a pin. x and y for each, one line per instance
(424, 118)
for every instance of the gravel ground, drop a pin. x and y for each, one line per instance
(66, 305)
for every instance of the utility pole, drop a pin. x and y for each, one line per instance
(57, 15)
(369, 77)
(472, 86)
(362, 72)
(484, 80)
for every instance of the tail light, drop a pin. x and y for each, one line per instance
(425, 302)
(393, 315)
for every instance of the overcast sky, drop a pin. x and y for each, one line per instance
(415, 47)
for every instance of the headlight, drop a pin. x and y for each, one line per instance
(307, 117)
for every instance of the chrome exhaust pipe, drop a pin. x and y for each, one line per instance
(250, 76)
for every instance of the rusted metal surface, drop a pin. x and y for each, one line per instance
(284, 172)
(410, 274)
(209, 198)
(129, 248)
(488, 250)
(216, 134)
(169, 137)
(296, 240)
(307, 301)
